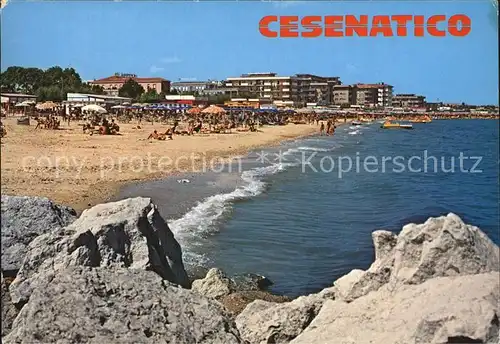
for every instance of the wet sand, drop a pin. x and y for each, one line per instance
(81, 170)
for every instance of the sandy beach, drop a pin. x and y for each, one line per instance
(80, 170)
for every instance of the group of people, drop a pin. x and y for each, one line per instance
(105, 127)
(49, 122)
(169, 133)
(330, 128)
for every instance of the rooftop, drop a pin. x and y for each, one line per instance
(373, 85)
(96, 96)
(121, 79)
(19, 95)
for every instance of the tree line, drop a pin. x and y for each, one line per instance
(50, 84)
(55, 82)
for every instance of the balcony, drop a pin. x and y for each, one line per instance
(267, 90)
(229, 84)
(286, 90)
(267, 84)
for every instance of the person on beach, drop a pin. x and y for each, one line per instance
(322, 128)
(169, 133)
(155, 136)
(328, 127)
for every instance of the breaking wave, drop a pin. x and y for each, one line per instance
(201, 220)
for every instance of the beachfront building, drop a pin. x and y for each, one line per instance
(100, 99)
(112, 84)
(408, 101)
(344, 95)
(14, 98)
(195, 87)
(374, 95)
(203, 88)
(229, 91)
(9, 100)
(309, 88)
(298, 89)
(262, 85)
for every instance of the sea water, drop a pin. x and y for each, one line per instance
(300, 216)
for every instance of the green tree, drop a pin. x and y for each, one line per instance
(218, 99)
(92, 89)
(19, 79)
(54, 93)
(150, 96)
(131, 89)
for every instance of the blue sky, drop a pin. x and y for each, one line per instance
(220, 39)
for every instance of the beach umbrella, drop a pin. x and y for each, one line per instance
(94, 107)
(46, 106)
(23, 104)
(214, 110)
(118, 107)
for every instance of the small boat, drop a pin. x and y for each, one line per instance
(356, 123)
(390, 125)
(406, 126)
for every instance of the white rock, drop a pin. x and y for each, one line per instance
(438, 311)
(215, 284)
(443, 246)
(268, 322)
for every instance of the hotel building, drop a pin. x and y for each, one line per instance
(290, 90)
(262, 85)
(374, 95)
(344, 95)
(408, 101)
(205, 88)
(112, 84)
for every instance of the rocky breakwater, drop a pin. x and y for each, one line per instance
(113, 275)
(116, 275)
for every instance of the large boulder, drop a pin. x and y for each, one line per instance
(117, 305)
(442, 246)
(9, 311)
(458, 309)
(251, 282)
(23, 219)
(129, 233)
(236, 302)
(215, 284)
(269, 322)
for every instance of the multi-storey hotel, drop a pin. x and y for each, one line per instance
(374, 95)
(296, 90)
(408, 101)
(262, 85)
(344, 95)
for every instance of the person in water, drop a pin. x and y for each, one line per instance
(328, 127)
